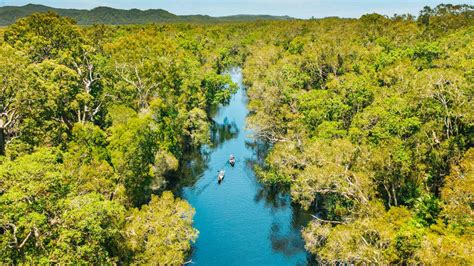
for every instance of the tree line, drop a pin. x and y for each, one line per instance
(113, 16)
(93, 123)
(370, 123)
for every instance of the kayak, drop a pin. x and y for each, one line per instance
(220, 177)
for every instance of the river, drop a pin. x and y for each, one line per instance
(239, 221)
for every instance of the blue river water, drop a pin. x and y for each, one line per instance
(239, 221)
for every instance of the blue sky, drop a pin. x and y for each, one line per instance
(294, 8)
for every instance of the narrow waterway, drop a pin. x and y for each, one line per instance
(239, 221)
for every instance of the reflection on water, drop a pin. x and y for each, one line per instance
(223, 132)
(240, 221)
(288, 244)
(271, 199)
(259, 148)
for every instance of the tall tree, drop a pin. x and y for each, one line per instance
(12, 66)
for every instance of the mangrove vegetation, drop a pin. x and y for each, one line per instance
(370, 124)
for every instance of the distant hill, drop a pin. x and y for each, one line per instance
(107, 15)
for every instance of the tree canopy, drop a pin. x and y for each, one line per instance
(370, 123)
(93, 123)
(372, 129)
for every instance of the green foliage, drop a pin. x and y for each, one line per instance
(90, 230)
(367, 118)
(457, 196)
(12, 63)
(445, 17)
(427, 209)
(51, 115)
(93, 121)
(370, 123)
(43, 221)
(108, 15)
(87, 159)
(161, 232)
(44, 36)
(133, 147)
(32, 189)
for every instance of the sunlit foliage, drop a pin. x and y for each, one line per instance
(370, 123)
(370, 120)
(93, 121)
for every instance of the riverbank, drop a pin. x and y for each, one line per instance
(240, 221)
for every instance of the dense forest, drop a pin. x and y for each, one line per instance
(93, 121)
(370, 122)
(372, 126)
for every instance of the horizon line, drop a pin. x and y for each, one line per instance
(201, 14)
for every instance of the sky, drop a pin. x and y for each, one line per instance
(294, 8)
